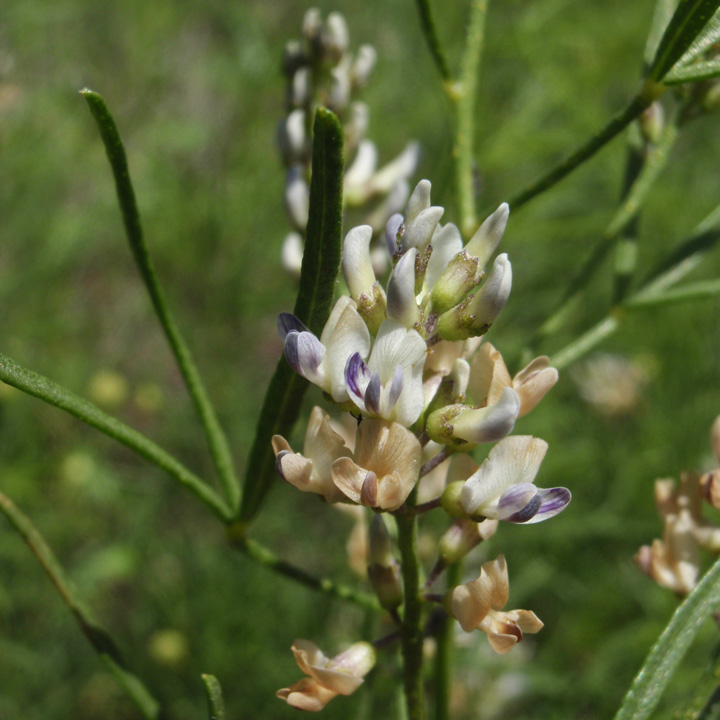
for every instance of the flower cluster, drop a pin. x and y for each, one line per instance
(407, 360)
(674, 561)
(320, 70)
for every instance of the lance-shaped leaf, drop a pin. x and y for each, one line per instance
(685, 27)
(669, 650)
(317, 285)
(213, 691)
(693, 73)
(96, 635)
(217, 441)
(45, 389)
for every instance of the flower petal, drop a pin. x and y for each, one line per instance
(484, 242)
(513, 461)
(419, 231)
(356, 264)
(488, 424)
(446, 244)
(357, 379)
(419, 201)
(554, 501)
(401, 303)
(307, 694)
(287, 322)
(391, 230)
(519, 503)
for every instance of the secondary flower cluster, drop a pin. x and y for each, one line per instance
(320, 70)
(674, 561)
(407, 360)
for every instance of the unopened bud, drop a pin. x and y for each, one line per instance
(365, 60)
(484, 242)
(462, 536)
(439, 424)
(401, 303)
(291, 137)
(652, 121)
(297, 198)
(312, 22)
(474, 315)
(339, 89)
(383, 569)
(450, 499)
(293, 58)
(300, 88)
(335, 37)
(458, 279)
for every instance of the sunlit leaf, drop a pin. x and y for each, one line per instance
(665, 657)
(213, 691)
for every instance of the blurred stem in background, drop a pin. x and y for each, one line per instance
(95, 634)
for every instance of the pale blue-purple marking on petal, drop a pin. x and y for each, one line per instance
(287, 322)
(310, 352)
(357, 376)
(554, 501)
(278, 462)
(291, 351)
(391, 231)
(395, 389)
(372, 394)
(519, 503)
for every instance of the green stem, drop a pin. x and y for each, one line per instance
(95, 634)
(701, 290)
(216, 438)
(464, 94)
(262, 556)
(411, 631)
(586, 342)
(444, 656)
(585, 151)
(213, 692)
(625, 213)
(54, 394)
(427, 24)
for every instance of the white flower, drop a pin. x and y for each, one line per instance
(503, 488)
(479, 605)
(323, 361)
(328, 677)
(384, 467)
(390, 384)
(311, 472)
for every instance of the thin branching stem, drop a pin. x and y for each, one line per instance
(427, 24)
(265, 557)
(95, 634)
(431, 464)
(412, 633)
(464, 95)
(217, 441)
(638, 104)
(444, 654)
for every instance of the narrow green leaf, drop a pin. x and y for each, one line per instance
(694, 291)
(693, 73)
(321, 260)
(661, 18)
(669, 650)
(216, 438)
(703, 42)
(216, 706)
(688, 21)
(45, 389)
(427, 24)
(96, 635)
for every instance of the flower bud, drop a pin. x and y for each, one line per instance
(335, 37)
(651, 122)
(339, 96)
(462, 536)
(474, 315)
(300, 88)
(293, 58)
(291, 137)
(453, 386)
(365, 60)
(383, 569)
(401, 303)
(485, 241)
(312, 22)
(450, 500)
(458, 279)
(297, 198)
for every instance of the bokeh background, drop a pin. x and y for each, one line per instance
(196, 89)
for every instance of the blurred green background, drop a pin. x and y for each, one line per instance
(196, 90)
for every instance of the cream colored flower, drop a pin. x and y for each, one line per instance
(328, 677)
(479, 604)
(384, 468)
(311, 472)
(489, 376)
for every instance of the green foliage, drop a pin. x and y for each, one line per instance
(321, 261)
(196, 89)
